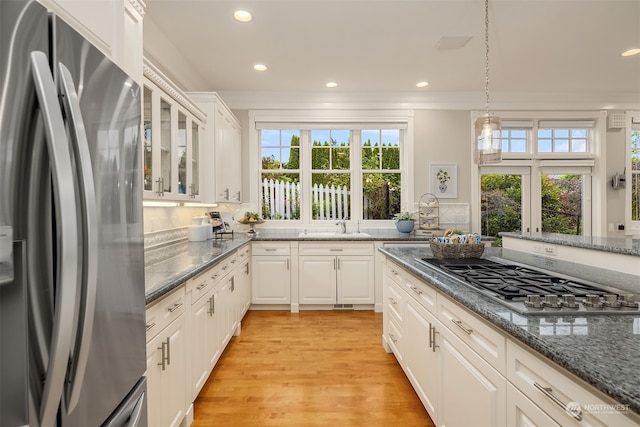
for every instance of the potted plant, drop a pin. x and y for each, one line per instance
(404, 222)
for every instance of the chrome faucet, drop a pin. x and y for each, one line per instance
(343, 226)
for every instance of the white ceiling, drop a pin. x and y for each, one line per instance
(544, 53)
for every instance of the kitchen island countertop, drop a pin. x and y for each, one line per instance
(602, 350)
(618, 245)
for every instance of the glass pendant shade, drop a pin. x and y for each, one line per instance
(488, 140)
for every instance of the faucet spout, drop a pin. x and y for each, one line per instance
(343, 226)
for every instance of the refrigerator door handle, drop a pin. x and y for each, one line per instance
(66, 225)
(134, 420)
(77, 132)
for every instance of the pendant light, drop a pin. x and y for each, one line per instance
(488, 144)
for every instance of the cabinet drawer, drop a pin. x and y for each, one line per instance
(475, 332)
(553, 389)
(336, 248)
(394, 338)
(416, 288)
(243, 253)
(165, 311)
(199, 285)
(269, 248)
(395, 302)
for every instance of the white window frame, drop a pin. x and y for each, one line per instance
(594, 221)
(632, 122)
(305, 120)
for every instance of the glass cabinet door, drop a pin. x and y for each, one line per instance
(195, 156)
(165, 146)
(148, 144)
(182, 153)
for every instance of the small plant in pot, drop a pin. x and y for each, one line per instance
(404, 222)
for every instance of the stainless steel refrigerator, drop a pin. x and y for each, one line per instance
(72, 334)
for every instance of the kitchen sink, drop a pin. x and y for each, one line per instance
(333, 235)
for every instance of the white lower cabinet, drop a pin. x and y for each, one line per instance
(467, 373)
(471, 392)
(166, 363)
(330, 274)
(522, 412)
(270, 273)
(187, 330)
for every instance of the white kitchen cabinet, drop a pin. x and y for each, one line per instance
(421, 358)
(446, 372)
(562, 396)
(222, 149)
(522, 412)
(205, 328)
(468, 381)
(113, 26)
(243, 284)
(270, 273)
(166, 361)
(172, 141)
(331, 273)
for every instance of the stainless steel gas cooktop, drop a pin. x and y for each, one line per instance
(532, 291)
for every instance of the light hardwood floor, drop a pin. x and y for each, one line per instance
(313, 368)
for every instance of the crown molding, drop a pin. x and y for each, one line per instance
(163, 82)
(139, 6)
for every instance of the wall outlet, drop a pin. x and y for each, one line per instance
(611, 227)
(549, 249)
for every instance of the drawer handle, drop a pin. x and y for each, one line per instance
(270, 249)
(335, 250)
(214, 277)
(201, 286)
(416, 290)
(393, 338)
(460, 325)
(233, 261)
(571, 410)
(166, 356)
(149, 327)
(394, 302)
(226, 267)
(174, 307)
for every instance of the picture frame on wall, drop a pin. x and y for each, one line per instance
(443, 180)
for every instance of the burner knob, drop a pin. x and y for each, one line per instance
(611, 301)
(628, 300)
(551, 301)
(533, 301)
(593, 301)
(569, 301)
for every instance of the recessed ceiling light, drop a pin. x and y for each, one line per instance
(630, 52)
(331, 84)
(260, 67)
(242, 16)
(422, 84)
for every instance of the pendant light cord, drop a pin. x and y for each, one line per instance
(486, 44)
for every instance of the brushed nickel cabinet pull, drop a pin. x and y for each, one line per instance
(548, 391)
(460, 325)
(175, 306)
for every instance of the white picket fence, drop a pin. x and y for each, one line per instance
(282, 200)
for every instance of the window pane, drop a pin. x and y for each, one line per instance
(505, 145)
(561, 133)
(544, 145)
(544, 133)
(293, 156)
(320, 156)
(561, 146)
(519, 133)
(500, 204)
(370, 155)
(391, 157)
(519, 146)
(579, 146)
(340, 158)
(280, 195)
(380, 195)
(562, 204)
(270, 158)
(331, 196)
(579, 133)
(270, 137)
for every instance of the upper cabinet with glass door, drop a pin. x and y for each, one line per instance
(172, 132)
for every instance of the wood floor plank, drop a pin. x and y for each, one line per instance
(313, 368)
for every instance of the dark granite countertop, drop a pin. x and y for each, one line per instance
(618, 245)
(167, 267)
(603, 350)
(176, 263)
